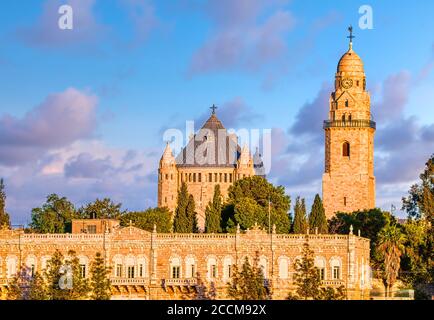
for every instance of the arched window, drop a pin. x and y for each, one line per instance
(320, 263)
(346, 149)
(263, 266)
(335, 265)
(142, 266)
(190, 267)
(11, 266)
(349, 117)
(175, 268)
(283, 268)
(31, 265)
(343, 118)
(227, 268)
(347, 103)
(212, 268)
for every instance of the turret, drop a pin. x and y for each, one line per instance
(167, 180)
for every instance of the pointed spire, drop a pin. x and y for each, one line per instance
(167, 157)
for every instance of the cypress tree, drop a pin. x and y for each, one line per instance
(213, 213)
(300, 223)
(100, 282)
(180, 221)
(317, 217)
(38, 290)
(192, 226)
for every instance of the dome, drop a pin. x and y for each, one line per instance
(350, 62)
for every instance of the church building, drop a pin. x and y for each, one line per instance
(212, 157)
(348, 181)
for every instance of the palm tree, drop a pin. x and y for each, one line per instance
(390, 244)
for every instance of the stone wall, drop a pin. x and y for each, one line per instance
(183, 266)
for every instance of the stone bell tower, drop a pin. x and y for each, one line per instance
(348, 181)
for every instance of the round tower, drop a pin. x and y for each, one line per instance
(245, 166)
(167, 180)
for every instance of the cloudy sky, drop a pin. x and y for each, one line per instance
(83, 111)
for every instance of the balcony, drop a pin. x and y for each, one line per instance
(333, 283)
(129, 281)
(350, 124)
(179, 282)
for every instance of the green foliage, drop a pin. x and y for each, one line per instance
(369, 222)
(308, 281)
(213, 213)
(253, 194)
(38, 288)
(416, 260)
(161, 217)
(248, 283)
(185, 220)
(15, 291)
(420, 201)
(317, 217)
(4, 217)
(100, 282)
(390, 244)
(101, 209)
(54, 216)
(300, 220)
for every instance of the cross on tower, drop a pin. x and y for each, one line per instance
(351, 37)
(213, 108)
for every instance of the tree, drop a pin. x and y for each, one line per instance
(38, 290)
(80, 284)
(249, 283)
(262, 193)
(102, 209)
(4, 216)
(185, 220)
(160, 217)
(100, 282)
(192, 215)
(420, 201)
(213, 212)
(300, 221)
(180, 221)
(317, 217)
(247, 212)
(369, 222)
(308, 280)
(390, 243)
(15, 288)
(54, 216)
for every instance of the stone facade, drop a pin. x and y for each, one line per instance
(211, 157)
(349, 181)
(151, 265)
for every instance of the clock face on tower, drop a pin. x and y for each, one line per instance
(347, 83)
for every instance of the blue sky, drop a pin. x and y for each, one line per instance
(82, 112)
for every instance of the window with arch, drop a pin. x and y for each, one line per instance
(190, 267)
(346, 149)
(83, 263)
(212, 268)
(349, 118)
(320, 263)
(175, 268)
(11, 266)
(283, 268)
(347, 103)
(263, 266)
(31, 265)
(343, 117)
(118, 266)
(335, 265)
(141, 267)
(227, 268)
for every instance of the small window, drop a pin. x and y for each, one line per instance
(321, 273)
(199, 178)
(226, 177)
(209, 177)
(346, 149)
(213, 271)
(176, 272)
(347, 103)
(336, 272)
(229, 271)
(83, 270)
(357, 83)
(193, 270)
(91, 229)
(141, 270)
(167, 176)
(230, 177)
(194, 177)
(343, 118)
(118, 270)
(345, 201)
(130, 272)
(349, 117)
(32, 270)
